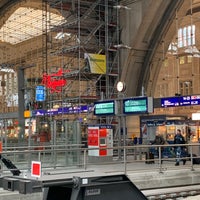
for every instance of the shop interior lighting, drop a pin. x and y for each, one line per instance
(26, 23)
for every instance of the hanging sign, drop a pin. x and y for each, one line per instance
(40, 93)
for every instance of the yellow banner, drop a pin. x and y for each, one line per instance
(97, 63)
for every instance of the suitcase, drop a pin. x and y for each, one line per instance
(195, 159)
(149, 158)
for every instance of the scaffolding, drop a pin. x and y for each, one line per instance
(87, 30)
(71, 52)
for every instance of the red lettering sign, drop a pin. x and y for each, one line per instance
(54, 82)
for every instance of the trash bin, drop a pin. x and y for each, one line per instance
(135, 140)
(139, 140)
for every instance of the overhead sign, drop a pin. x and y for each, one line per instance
(180, 101)
(137, 105)
(36, 169)
(169, 102)
(40, 93)
(105, 108)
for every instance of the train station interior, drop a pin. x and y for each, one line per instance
(59, 57)
(69, 68)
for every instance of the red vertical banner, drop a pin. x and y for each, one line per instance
(103, 142)
(93, 137)
(93, 141)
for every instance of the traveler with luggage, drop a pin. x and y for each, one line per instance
(180, 151)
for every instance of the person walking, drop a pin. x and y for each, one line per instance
(159, 140)
(179, 150)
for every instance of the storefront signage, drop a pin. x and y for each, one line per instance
(55, 82)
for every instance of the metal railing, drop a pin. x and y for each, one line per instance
(126, 158)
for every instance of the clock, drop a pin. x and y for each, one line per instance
(120, 86)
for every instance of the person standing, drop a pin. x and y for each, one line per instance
(179, 150)
(159, 140)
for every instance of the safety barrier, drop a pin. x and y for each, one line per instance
(74, 156)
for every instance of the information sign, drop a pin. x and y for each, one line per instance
(105, 108)
(40, 93)
(169, 102)
(36, 169)
(138, 105)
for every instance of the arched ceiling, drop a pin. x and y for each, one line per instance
(155, 32)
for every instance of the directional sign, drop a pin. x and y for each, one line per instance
(169, 102)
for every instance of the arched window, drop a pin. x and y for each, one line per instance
(186, 36)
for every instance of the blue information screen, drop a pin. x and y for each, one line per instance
(40, 93)
(169, 102)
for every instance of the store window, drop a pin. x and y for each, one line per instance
(182, 60)
(189, 59)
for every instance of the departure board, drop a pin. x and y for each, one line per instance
(104, 108)
(180, 101)
(138, 105)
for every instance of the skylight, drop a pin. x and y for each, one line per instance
(26, 23)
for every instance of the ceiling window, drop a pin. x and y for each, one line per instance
(26, 23)
(186, 36)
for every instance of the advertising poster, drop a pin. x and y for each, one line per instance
(96, 62)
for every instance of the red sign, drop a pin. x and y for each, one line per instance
(54, 82)
(36, 169)
(93, 137)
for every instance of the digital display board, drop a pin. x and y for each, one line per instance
(104, 108)
(169, 102)
(195, 100)
(40, 93)
(180, 101)
(185, 100)
(138, 105)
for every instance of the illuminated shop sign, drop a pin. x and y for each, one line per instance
(55, 82)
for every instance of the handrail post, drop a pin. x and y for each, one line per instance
(160, 159)
(84, 160)
(125, 170)
(191, 158)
